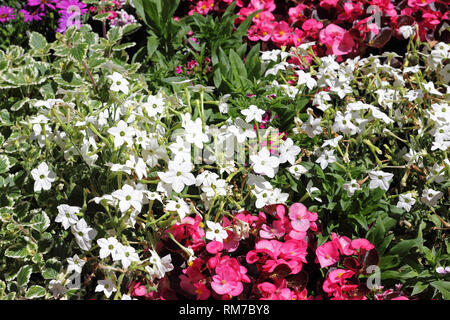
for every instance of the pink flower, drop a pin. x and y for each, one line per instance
(34, 15)
(201, 291)
(344, 244)
(281, 33)
(299, 217)
(327, 254)
(276, 231)
(338, 40)
(214, 247)
(362, 244)
(42, 4)
(268, 5)
(178, 70)
(296, 13)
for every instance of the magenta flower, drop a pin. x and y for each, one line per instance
(34, 15)
(6, 14)
(338, 40)
(42, 4)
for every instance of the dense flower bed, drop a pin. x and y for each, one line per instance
(287, 174)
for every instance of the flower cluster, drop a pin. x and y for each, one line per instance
(340, 28)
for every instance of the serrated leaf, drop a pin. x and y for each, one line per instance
(78, 52)
(49, 274)
(24, 275)
(35, 292)
(37, 41)
(40, 222)
(16, 251)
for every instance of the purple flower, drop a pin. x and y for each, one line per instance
(43, 4)
(71, 12)
(6, 14)
(68, 7)
(32, 15)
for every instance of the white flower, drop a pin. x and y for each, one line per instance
(406, 201)
(305, 78)
(109, 246)
(264, 163)
(179, 206)
(351, 187)
(181, 150)
(343, 123)
(312, 126)
(320, 100)
(75, 264)
(119, 83)
(297, 170)
(107, 286)
(215, 232)
(406, 31)
(83, 234)
(431, 197)
(437, 173)
(325, 158)
(67, 215)
(138, 165)
(160, 265)
(218, 187)
(332, 142)
(178, 175)
(288, 151)
(380, 179)
(154, 105)
(194, 133)
(431, 89)
(253, 113)
(153, 152)
(126, 255)
(122, 134)
(311, 189)
(128, 197)
(57, 288)
(242, 130)
(43, 177)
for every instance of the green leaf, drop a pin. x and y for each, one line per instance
(40, 222)
(24, 275)
(37, 41)
(443, 287)
(403, 247)
(79, 51)
(419, 287)
(35, 292)
(389, 262)
(237, 66)
(17, 251)
(114, 34)
(376, 233)
(152, 45)
(49, 274)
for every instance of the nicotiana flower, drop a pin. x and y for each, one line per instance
(178, 175)
(380, 179)
(179, 206)
(326, 157)
(83, 234)
(67, 215)
(406, 201)
(194, 133)
(75, 264)
(110, 246)
(431, 197)
(297, 170)
(351, 187)
(288, 151)
(160, 265)
(119, 83)
(312, 126)
(122, 134)
(127, 255)
(215, 232)
(107, 286)
(264, 163)
(128, 197)
(43, 177)
(253, 113)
